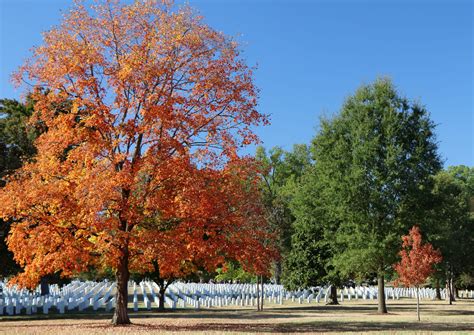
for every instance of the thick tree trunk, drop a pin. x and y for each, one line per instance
(418, 302)
(382, 307)
(44, 285)
(161, 298)
(162, 285)
(333, 296)
(121, 298)
(438, 290)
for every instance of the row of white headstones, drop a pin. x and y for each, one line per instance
(101, 295)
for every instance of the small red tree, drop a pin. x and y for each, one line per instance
(416, 264)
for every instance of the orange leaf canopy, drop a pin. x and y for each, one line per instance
(145, 108)
(417, 259)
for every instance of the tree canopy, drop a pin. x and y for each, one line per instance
(417, 262)
(450, 221)
(417, 259)
(371, 181)
(144, 168)
(16, 145)
(16, 137)
(281, 173)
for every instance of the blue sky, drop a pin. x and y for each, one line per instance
(311, 55)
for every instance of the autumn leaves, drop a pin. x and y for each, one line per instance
(142, 166)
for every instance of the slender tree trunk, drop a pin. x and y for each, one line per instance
(263, 290)
(258, 294)
(121, 298)
(451, 287)
(438, 290)
(277, 272)
(418, 302)
(448, 291)
(333, 296)
(382, 307)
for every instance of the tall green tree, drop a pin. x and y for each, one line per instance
(281, 173)
(373, 163)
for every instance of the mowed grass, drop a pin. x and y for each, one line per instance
(356, 316)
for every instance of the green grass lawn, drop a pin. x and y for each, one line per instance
(351, 316)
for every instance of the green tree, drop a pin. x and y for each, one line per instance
(234, 272)
(374, 163)
(451, 223)
(303, 265)
(16, 144)
(281, 173)
(309, 261)
(17, 136)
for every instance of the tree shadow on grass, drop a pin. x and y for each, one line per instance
(452, 312)
(245, 318)
(236, 313)
(430, 308)
(311, 327)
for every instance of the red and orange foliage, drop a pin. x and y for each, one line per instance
(417, 259)
(144, 165)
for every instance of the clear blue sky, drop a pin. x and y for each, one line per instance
(313, 54)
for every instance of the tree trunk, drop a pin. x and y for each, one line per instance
(277, 272)
(382, 307)
(450, 284)
(258, 295)
(418, 302)
(121, 298)
(161, 298)
(333, 296)
(451, 288)
(263, 296)
(448, 291)
(44, 285)
(438, 290)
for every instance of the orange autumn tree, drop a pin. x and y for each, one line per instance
(144, 167)
(209, 240)
(416, 264)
